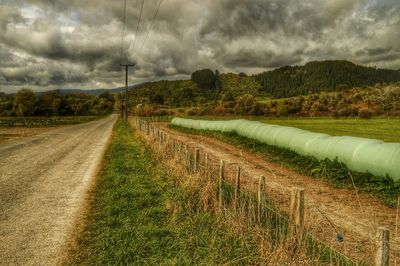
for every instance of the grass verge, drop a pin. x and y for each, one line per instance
(334, 172)
(141, 214)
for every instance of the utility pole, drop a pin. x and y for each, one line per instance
(126, 87)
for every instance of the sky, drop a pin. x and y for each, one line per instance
(51, 44)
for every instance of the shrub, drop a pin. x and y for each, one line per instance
(348, 111)
(365, 113)
(335, 114)
(192, 112)
(163, 112)
(258, 109)
(282, 110)
(244, 104)
(144, 110)
(220, 109)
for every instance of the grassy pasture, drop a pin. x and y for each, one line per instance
(386, 129)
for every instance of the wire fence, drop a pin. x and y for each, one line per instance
(289, 218)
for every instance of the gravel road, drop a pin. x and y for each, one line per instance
(43, 183)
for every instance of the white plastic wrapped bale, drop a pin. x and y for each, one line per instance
(358, 154)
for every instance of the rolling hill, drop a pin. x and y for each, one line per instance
(315, 76)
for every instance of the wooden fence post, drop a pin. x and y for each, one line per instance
(187, 158)
(220, 181)
(382, 247)
(297, 215)
(174, 147)
(261, 197)
(237, 189)
(179, 151)
(196, 159)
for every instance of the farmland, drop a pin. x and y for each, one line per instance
(386, 129)
(144, 209)
(254, 132)
(337, 205)
(45, 121)
(13, 128)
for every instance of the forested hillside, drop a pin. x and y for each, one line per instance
(184, 93)
(321, 76)
(207, 87)
(363, 102)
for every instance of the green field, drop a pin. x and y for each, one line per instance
(386, 129)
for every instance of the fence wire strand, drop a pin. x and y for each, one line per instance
(322, 237)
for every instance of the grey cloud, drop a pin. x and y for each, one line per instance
(77, 42)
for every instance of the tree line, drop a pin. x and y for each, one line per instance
(27, 103)
(363, 102)
(314, 77)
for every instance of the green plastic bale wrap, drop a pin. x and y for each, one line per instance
(358, 154)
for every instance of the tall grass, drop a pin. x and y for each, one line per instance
(269, 225)
(142, 214)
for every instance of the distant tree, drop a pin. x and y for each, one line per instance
(157, 99)
(217, 80)
(48, 104)
(242, 74)
(78, 103)
(205, 79)
(6, 104)
(24, 102)
(102, 106)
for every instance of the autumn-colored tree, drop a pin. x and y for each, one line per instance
(48, 104)
(24, 102)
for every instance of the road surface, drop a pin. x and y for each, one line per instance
(43, 183)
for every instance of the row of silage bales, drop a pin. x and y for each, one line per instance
(359, 154)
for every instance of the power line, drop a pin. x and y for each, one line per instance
(138, 25)
(151, 27)
(123, 35)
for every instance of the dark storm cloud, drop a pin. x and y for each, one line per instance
(77, 42)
